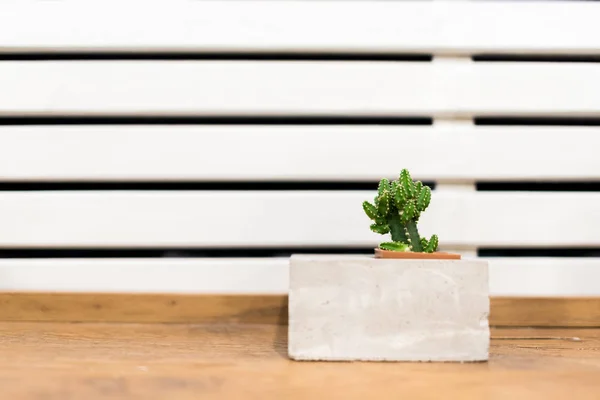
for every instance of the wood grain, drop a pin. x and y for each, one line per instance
(572, 312)
(236, 361)
(146, 308)
(251, 309)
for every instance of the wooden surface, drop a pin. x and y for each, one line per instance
(251, 309)
(177, 362)
(574, 312)
(108, 307)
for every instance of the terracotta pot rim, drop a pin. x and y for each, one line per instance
(409, 255)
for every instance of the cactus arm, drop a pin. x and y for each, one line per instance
(399, 195)
(384, 186)
(409, 212)
(407, 183)
(419, 187)
(394, 246)
(414, 240)
(383, 205)
(432, 245)
(381, 229)
(424, 199)
(370, 210)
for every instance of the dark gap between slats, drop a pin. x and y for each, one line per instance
(570, 58)
(194, 186)
(539, 186)
(231, 120)
(266, 252)
(538, 121)
(217, 56)
(539, 252)
(178, 252)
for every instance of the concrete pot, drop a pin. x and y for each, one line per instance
(347, 307)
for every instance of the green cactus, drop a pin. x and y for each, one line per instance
(396, 210)
(394, 246)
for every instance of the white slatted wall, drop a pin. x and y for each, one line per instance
(189, 146)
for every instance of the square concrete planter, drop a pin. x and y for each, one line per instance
(347, 307)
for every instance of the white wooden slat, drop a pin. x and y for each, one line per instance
(544, 276)
(288, 218)
(508, 276)
(274, 153)
(455, 27)
(216, 276)
(316, 88)
(517, 88)
(213, 88)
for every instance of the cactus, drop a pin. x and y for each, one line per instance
(394, 246)
(396, 210)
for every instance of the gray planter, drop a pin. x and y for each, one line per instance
(364, 308)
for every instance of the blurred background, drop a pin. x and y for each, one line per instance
(192, 146)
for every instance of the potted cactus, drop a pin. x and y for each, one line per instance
(408, 303)
(396, 210)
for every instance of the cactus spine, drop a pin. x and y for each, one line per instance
(396, 210)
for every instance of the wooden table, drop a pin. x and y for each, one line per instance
(249, 361)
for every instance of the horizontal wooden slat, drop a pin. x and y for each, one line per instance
(158, 275)
(296, 153)
(288, 218)
(214, 88)
(253, 309)
(456, 27)
(567, 312)
(121, 307)
(544, 276)
(516, 88)
(508, 276)
(287, 88)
